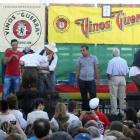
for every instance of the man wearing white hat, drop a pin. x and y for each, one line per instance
(94, 105)
(46, 70)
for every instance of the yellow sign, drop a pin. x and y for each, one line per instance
(86, 25)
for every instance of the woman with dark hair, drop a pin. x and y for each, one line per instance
(13, 109)
(130, 115)
(5, 115)
(37, 112)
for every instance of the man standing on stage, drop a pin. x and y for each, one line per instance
(46, 70)
(117, 71)
(134, 73)
(86, 69)
(30, 62)
(12, 75)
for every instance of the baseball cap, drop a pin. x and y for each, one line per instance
(93, 103)
(82, 136)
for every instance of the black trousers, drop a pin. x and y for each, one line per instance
(85, 87)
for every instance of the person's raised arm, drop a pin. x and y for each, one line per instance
(99, 123)
(20, 130)
(50, 56)
(8, 59)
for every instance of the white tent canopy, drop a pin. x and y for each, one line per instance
(72, 1)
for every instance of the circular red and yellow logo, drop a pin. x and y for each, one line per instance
(61, 24)
(24, 26)
(22, 29)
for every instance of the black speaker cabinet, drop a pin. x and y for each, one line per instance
(133, 100)
(26, 99)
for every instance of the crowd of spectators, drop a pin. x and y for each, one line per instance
(65, 125)
(37, 73)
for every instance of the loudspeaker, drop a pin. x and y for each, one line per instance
(133, 100)
(114, 117)
(26, 99)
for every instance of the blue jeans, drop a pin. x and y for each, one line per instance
(8, 81)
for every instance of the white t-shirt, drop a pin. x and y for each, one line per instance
(134, 71)
(73, 117)
(33, 60)
(19, 116)
(31, 117)
(7, 118)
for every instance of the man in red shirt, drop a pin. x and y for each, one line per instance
(12, 75)
(94, 105)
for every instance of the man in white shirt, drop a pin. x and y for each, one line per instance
(37, 112)
(117, 71)
(30, 74)
(72, 110)
(46, 70)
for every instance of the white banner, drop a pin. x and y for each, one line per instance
(24, 22)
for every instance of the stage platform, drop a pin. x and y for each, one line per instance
(102, 91)
(74, 93)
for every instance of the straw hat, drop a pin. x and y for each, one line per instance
(51, 46)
